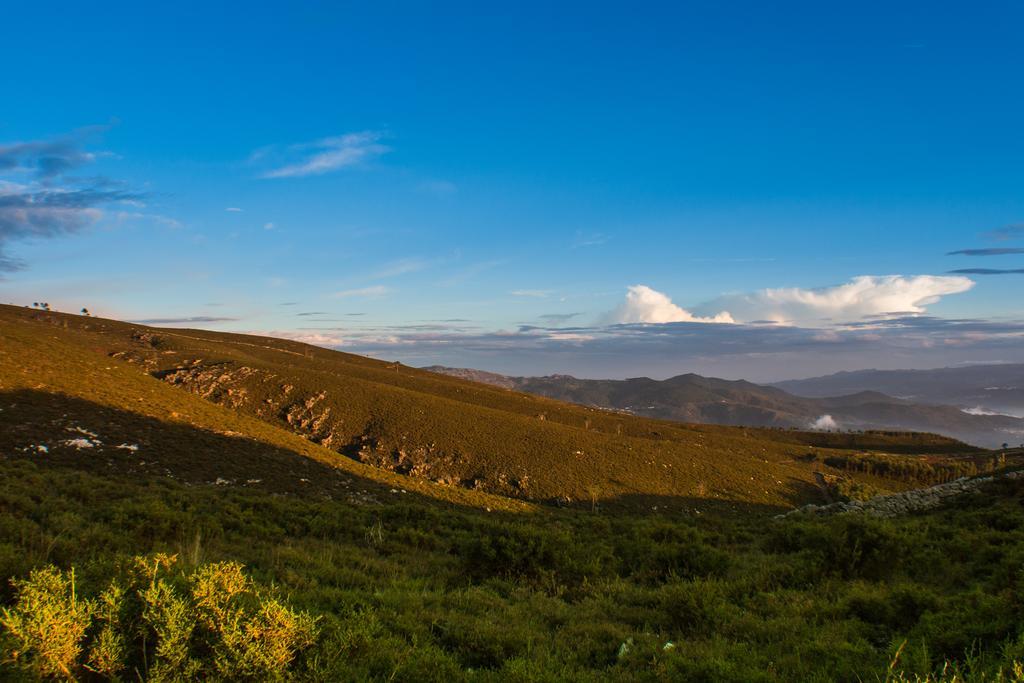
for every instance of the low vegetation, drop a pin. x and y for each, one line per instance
(154, 621)
(415, 590)
(924, 471)
(149, 532)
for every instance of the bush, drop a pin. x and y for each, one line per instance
(543, 556)
(46, 627)
(172, 626)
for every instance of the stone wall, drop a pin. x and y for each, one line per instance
(907, 501)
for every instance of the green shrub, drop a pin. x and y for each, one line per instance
(156, 620)
(849, 546)
(46, 627)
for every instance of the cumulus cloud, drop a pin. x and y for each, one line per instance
(646, 305)
(862, 297)
(322, 156)
(37, 199)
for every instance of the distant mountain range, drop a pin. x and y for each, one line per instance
(977, 388)
(955, 408)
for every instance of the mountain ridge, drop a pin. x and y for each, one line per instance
(694, 398)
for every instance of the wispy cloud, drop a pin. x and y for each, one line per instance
(47, 159)
(363, 292)
(189, 319)
(37, 199)
(557, 318)
(589, 239)
(158, 219)
(468, 273)
(989, 271)
(534, 293)
(233, 209)
(1007, 232)
(399, 267)
(998, 251)
(322, 156)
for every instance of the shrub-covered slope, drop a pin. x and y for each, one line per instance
(104, 460)
(463, 435)
(405, 589)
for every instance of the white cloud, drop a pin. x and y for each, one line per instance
(315, 338)
(328, 154)
(863, 296)
(268, 226)
(592, 239)
(645, 305)
(233, 209)
(535, 293)
(825, 423)
(376, 290)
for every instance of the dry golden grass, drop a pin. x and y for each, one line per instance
(315, 410)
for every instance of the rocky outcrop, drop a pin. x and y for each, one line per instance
(310, 415)
(216, 383)
(902, 503)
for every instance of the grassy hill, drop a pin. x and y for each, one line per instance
(462, 435)
(120, 442)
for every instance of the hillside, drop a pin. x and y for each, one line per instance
(696, 399)
(124, 447)
(374, 418)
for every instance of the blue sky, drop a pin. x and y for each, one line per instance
(482, 186)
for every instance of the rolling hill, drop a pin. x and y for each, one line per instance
(364, 495)
(381, 420)
(695, 399)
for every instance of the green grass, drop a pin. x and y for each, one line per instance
(413, 580)
(416, 591)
